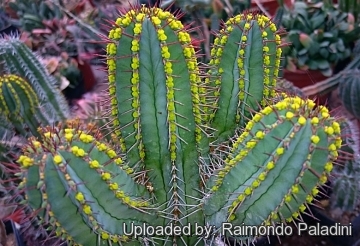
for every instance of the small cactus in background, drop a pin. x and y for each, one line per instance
(349, 91)
(179, 159)
(19, 60)
(19, 104)
(20, 113)
(346, 186)
(346, 179)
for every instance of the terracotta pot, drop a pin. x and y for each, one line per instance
(302, 79)
(270, 5)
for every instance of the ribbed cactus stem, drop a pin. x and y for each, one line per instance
(275, 166)
(154, 83)
(243, 71)
(19, 104)
(18, 59)
(76, 173)
(349, 90)
(178, 159)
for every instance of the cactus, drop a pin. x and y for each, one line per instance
(349, 89)
(346, 179)
(346, 186)
(231, 103)
(173, 163)
(19, 60)
(18, 102)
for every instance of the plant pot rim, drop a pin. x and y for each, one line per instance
(300, 71)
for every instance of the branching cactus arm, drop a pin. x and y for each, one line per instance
(167, 125)
(243, 72)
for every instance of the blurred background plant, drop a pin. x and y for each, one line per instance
(321, 36)
(50, 32)
(350, 6)
(346, 178)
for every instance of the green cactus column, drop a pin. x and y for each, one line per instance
(274, 168)
(154, 84)
(243, 71)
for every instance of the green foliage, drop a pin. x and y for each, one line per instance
(177, 159)
(4, 21)
(321, 36)
(351, 6)
(188, 5)
(31, 13)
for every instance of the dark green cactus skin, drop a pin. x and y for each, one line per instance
(16, 58)
(349, 90)
(166, 129)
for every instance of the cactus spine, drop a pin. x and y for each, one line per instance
(160, 110)
(19, 60)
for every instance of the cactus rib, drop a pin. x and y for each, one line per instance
(188, 151)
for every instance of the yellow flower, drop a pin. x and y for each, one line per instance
(104, 235)
(328, 167)
(270, 165)
(113, 186)
(68, 136)
(57, 159)
(260, 135)
(80, 197)
(289, 115)
(36, 144)
(295, 189)
(280, 151)
(106, 176)
(94, 164)
(315, 120)
(87, 209)
(248, 191)
(315, 139)
(302, 120)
